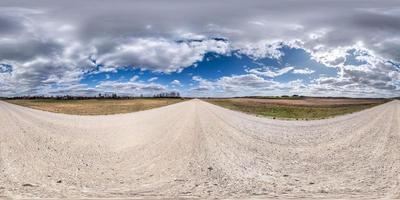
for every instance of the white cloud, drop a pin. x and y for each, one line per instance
(203, 84)
(152, 79)
(377, 79)
(159, 54)
(357, 81)
(130, 88)
(175, 83)
(48, 46)
(303, 71)
(258, 23)
(268, 72)
(245, 85)
(134, 78)
(261, 49)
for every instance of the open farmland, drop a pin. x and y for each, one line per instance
(297, 108)
(195, 149)
(95, 106)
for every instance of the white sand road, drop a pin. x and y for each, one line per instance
(196, 149)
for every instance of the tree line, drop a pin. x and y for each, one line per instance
(98, 96)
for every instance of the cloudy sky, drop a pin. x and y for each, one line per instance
(200, 48)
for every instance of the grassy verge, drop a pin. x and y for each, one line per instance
(296, 111)
(94, 106)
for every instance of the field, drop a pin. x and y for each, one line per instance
(301, 108)
(94, 106)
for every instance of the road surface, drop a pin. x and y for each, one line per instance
(196, 149)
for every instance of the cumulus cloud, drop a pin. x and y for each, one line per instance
(134, 78)
(203, 84)
(45, 44)
(375, 78)
(245, 85)
(303, 71)
(237, 83)
(261, 49)
(268, 72)
(159, 54)
(152, 79)
(175, 83)
(130, 88)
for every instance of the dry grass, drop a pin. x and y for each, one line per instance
(94, 106)
(305, 108)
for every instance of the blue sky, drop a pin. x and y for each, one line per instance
(215, 66)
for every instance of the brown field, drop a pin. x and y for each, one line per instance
(94, 106)
(302, 108)
(312, 101)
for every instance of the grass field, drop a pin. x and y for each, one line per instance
(300, 109)
(94, 106)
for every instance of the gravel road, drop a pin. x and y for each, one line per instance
(196, 149)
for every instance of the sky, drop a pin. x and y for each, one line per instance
(204, 48)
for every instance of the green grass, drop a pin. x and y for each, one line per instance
(291, 111)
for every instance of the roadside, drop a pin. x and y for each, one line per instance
(297, 109)
(95, 106)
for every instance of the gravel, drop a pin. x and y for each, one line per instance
(198, 150)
